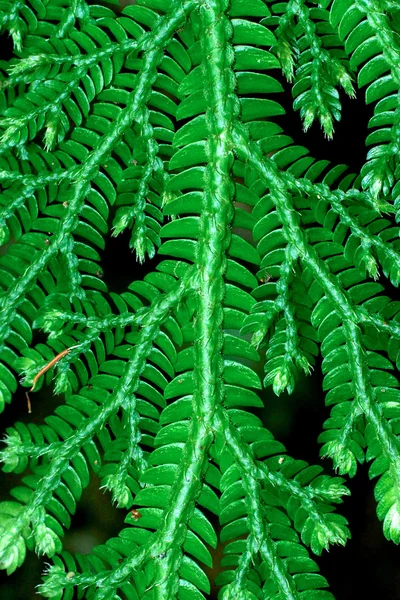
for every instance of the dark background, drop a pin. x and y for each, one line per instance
(368, 567)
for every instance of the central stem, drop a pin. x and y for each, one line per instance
(165, 549)
(214, 239)
(217, 213)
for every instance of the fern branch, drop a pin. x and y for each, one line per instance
(258, 541)
(338, 441)
(14, 125)
(324, 72)
(49, 320)
(137, 212)
(337, 202)
(388, 39)
(122, 395)
(378, 173)
(364, 395)
(89, 168)
(307, 497)
(116, 482)
(33, 62)
(57, 580)
(282, 376)
(31, 183)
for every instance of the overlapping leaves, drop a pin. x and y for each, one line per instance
(109, 123)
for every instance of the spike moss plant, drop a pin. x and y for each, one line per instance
(159, 118)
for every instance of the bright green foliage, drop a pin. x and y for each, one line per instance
(159, 118)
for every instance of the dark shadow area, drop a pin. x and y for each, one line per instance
(119, 264)
(96, 520)
(6, 46)
(367, 567)
(289, 418)
(347, 146)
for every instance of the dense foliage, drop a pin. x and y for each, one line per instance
(158, 118)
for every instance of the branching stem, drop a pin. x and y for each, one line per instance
(153, 55)
(124, 391)
(358, 366)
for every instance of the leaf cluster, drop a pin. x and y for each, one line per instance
(162, 118)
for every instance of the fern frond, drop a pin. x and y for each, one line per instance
(372, 43)
(352, 376)
(158, 118)
(318, 70)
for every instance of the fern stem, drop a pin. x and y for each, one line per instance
(93, 324)
(34, 61)
(214, 238)
(73, 276)
(258, 541)
(293, 353)
(309, 187)
(89, 59)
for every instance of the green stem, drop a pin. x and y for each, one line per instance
(214, 239)
(258, 541)
(292, 342)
